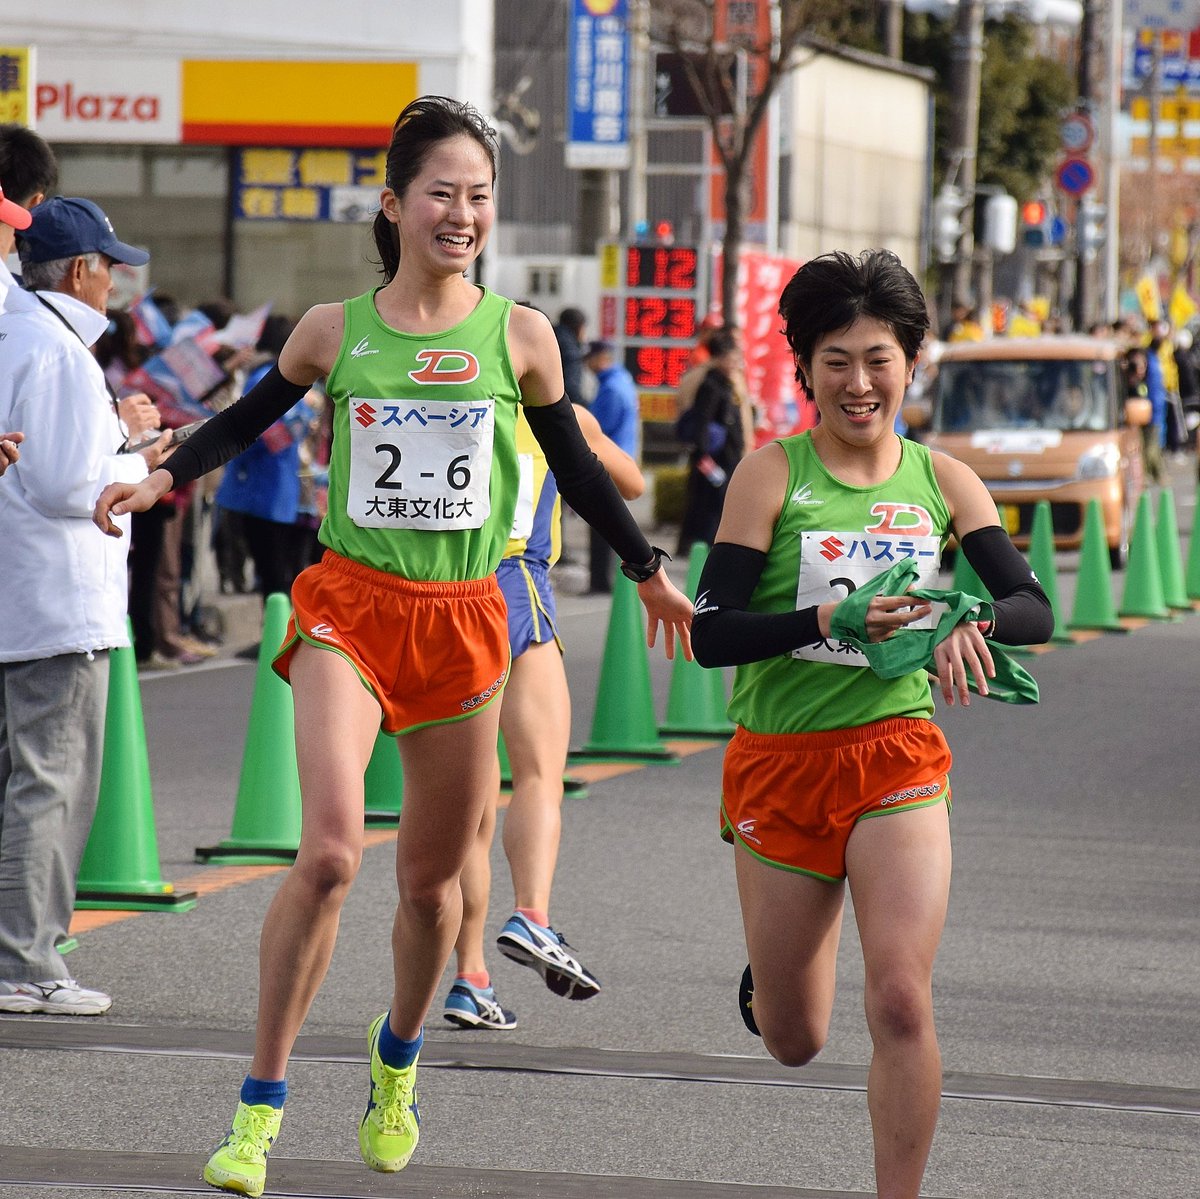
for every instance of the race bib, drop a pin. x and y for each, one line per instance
(421, 464)
(835, 564)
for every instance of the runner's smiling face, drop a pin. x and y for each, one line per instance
(858, 376)
(447, 211)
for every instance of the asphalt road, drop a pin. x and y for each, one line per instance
(1066, 984)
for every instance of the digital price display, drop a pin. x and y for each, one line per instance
(656, 317)
(657, 368)
(651, 306)
(662, 268)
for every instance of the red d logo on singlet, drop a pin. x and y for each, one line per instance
(910, 519)
(445, 366)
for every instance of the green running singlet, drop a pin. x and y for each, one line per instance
(423, 474)
(831, 538)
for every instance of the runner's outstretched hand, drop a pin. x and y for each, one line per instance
(665, 604)
(118, 498)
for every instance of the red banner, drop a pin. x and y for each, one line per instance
(780, 404)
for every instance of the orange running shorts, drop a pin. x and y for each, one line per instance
(793, 799)
(429, 652)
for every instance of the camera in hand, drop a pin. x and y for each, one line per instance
(178, 436)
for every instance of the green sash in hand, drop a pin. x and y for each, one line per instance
(910, 649)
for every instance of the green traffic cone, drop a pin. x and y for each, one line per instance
(120, 867)
(266, 818)
(383, 783)
(1093, 590)
(1042, 559)
(623, 726)
(696, 701)
(1192, 582)
(1143, 578)
(1170, 561)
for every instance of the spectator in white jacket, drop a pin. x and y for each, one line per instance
(28, 167)
(62, 590)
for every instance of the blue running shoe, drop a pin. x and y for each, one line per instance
(746, 1002)
(475, 1007)
(547, 952)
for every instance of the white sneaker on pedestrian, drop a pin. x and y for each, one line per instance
(55, 997)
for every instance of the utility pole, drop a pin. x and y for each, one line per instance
(966, 74)
(1083, 301)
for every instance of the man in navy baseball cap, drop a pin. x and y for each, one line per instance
(66, 226)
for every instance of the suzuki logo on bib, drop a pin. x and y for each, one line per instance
(445, 366)
(910, 519)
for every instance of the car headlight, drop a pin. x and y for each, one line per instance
(1100, 463)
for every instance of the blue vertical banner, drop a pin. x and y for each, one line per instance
(598, 68)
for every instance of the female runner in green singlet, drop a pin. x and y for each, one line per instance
(835, 776)
(425, 375)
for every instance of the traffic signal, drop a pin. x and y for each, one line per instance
(1035, 223)
(1000, 223)
(1092, 229)
(947, 222)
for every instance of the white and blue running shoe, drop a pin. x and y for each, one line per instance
(547, 952)
(473, 1007)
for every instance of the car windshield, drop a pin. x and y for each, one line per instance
(1022, 394)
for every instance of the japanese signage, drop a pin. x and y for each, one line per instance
(16, 85)
(1177, 52)
(598, 62)
(770, 369)
(745, 23)
(307, 185)
(421, 464)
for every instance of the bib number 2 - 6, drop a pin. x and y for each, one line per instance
(421, 464)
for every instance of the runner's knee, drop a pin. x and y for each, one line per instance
(899, 1008)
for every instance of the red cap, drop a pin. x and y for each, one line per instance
(13, 214)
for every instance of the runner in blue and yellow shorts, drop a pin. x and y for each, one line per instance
(425, 374)
(535, 718)
(836, 775)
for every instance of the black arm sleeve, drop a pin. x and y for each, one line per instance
(724, 633)
(235, 429)
(583, 482)
(1021, 608)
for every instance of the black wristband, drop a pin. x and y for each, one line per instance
(644, 573)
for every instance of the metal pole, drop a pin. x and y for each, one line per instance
(639, 105)
(1083, 299)
(964, 130)
(1108, 143)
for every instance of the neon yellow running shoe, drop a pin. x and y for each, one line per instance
(240, 1161)
(391, 1124)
